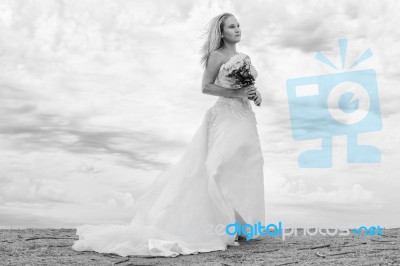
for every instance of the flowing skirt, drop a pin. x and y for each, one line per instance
(218, 180)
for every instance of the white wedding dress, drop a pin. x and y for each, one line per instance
(218, 180)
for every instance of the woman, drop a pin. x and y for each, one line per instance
(218, 180)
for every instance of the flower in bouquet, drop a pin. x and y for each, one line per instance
(240, 72)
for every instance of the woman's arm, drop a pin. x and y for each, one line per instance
(210, 74)
(216, 90)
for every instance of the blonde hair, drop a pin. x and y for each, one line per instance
(214, 40)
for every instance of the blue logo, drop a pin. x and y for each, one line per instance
(254, 230)
(324, 106)
(250, 230)
(372, 231)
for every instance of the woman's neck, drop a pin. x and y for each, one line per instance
(229, 48)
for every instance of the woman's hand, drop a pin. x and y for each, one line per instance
(246, 92)
(257, 98)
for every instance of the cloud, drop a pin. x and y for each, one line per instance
(121, 199)
(298, 191)
(12, 219)
(25, 189)
(345, 194)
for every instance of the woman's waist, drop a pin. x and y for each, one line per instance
(243, 103)
(233, 100)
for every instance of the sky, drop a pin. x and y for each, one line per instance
(97, 97)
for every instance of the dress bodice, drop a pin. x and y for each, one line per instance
(238, 106)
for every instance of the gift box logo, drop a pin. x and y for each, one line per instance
(344, 103)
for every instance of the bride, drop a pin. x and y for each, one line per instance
(218, 180)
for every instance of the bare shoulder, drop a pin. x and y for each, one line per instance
(214, 62)
(217, 53)
(216, 58)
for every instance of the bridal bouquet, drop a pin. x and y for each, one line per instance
(241, 74)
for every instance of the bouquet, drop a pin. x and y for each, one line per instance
(241, 74)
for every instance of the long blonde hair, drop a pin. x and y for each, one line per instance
(214, 40)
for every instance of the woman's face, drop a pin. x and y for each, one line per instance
(231, 30)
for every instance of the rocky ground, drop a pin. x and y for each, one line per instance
(53, 247)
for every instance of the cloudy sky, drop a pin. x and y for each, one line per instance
(98, 97)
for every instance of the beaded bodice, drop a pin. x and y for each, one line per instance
(238, 106)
